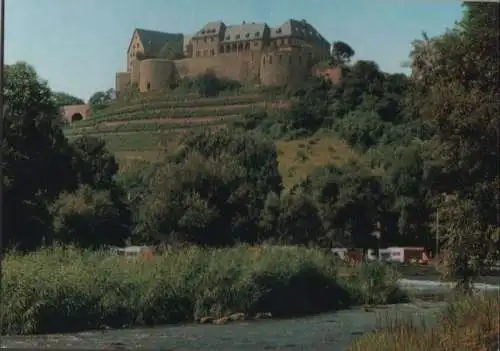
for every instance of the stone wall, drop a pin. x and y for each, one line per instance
(242, 66)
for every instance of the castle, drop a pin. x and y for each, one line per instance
(252, 53)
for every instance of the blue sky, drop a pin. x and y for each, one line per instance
(79, 45)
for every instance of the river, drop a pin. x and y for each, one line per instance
(328, 331)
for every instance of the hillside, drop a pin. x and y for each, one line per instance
(139, 129)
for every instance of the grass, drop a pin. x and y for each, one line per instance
(298, 157)
(166, 124)
(468, 324)
(65, 290)
(188, 103)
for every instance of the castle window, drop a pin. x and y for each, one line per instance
(257, 34)
(148, 86)
(278, 30)
(247, 35)
(212, 52)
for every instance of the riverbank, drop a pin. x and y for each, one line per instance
(65, 290)
(332, 331)
(468, 323)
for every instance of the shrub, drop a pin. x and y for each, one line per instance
(64, 290)
(469, 323)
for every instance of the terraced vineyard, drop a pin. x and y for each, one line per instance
(139, 129)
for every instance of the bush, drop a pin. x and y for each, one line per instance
(90, 218)
(469, 323)
(64, 290)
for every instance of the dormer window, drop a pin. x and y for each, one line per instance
(202, 32)
(278, 31)
(247, 35)
(237, 36)
(257, 34)
(228, 37)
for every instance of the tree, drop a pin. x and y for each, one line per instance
(93, 163)
(348, 202)
(101, 99)
(88, 218)
(212, 191)
(341, 53)
(458, 91)
(292, 219)
(64, 99)
(36, 156)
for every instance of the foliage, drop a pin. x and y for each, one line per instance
(34, 151)
(468, 323)
(458, 91)
(341, 53)
(347, 199)
(63, 99)
(65, 290)
(39, 163)
(95, 164)
(89, 218)
(101, 99)
(207, 84)
(211, 191)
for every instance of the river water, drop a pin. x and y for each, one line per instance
(328, 331)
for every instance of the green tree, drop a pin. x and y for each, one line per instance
(101, 99)
(348, 200)
(93, 163)
(64, 99)
(458, 91)
(292, 219)
(212, 191)
(341, 53)
(88, 218)
(36, 156)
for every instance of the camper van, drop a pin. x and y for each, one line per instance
(131, 252)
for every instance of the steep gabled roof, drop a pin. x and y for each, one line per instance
(153, 41)
(301, 29)
(245, 31)
(210, 29)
